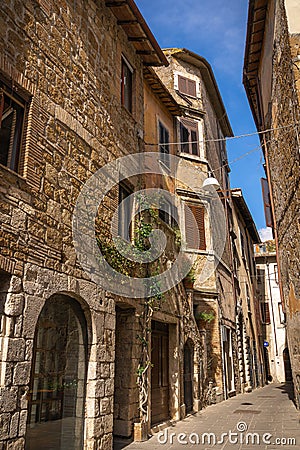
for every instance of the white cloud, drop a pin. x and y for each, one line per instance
(265, 234)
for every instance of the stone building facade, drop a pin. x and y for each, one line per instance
(201, 131)
(276, 353)
(64, 115)
(248, 318)
(271, 79)
(77, 92)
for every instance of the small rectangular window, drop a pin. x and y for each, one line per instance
(164, 147)
(187, 86)
(125, 213)
(12, 109)
(195, 238)
(126, 86)
(189, 136)
(168, 212)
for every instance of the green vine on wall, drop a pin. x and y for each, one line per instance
(142, 229)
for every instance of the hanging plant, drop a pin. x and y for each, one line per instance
(205, 316)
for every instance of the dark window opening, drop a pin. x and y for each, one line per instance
(126, 86)
(12, 109)
(189, 137)
(168, 213)
(187, 86)
(125, 213)
(164, 148)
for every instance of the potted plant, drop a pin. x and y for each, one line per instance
(205, 316)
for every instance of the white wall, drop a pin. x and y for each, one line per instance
(293, 15)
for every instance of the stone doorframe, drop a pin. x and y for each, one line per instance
(23, 303)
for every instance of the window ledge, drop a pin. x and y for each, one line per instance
(199, 252)
(129, 114)
(15, 174)
(164, 165)
(195, 158)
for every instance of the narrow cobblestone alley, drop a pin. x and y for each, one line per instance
(267, 418)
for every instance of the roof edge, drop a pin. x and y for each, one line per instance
(203, 64)
(238, 198)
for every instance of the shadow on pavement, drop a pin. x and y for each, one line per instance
(120, 443)
(288, 388)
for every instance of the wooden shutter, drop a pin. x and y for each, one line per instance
(190, 232)
(182, 84)
(191, 88)
(265, 310)
(33, 156)
(187, 86)
(267, 202)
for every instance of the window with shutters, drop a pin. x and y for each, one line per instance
(164, 148)
(187, 86)
(12, 111)
(265, 312)
(189, 137)
(195, 237)
(126, 85)
(125, 212)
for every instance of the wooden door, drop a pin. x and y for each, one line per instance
(160, 373)
(188, 377)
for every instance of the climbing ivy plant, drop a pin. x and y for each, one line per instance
(144, 223)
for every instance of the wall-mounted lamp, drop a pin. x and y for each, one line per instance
(211, 181)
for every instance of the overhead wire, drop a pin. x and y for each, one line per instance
(256, 133)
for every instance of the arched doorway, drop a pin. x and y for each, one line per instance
(188, 375)
(58, 377)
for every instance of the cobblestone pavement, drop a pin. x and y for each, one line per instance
(267, 418)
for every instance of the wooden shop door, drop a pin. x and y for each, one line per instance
(188, 376)
(160, 372)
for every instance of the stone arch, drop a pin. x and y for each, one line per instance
(56, 400)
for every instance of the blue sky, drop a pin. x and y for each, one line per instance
(216, 29)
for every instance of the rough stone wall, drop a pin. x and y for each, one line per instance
(215, 154)
(284, 161)
(65, 58)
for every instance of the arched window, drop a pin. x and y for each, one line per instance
(58, 377)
